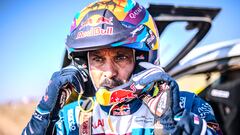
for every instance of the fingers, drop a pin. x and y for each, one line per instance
(175, 96)
(158, 105)
(156, 74)
(145, 75)
(151, 74)
(73, 76)
(148, 65)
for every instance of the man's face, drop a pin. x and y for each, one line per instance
(111, 67)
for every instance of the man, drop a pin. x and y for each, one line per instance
(120, 86)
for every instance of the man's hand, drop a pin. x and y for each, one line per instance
(60, 87)
(165, 103)
(166, 92)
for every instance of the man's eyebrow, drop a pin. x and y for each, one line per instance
(125, 52)
(96, 52)
(120, 52)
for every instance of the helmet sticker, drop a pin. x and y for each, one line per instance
(106, 4)
(151, 39)
(136, 15)
(140, 57)
(137, 30)
(96, 20)
(95, 31)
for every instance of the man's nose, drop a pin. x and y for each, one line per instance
(110, 69)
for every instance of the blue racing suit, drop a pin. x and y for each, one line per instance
(140, 120)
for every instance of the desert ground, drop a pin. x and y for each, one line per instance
(14, 117)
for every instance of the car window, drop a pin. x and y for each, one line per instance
(173, 39)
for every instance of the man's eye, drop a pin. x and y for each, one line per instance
(121, 58)
(98, 59)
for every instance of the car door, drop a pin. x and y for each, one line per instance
(211, 71)
(180, 29)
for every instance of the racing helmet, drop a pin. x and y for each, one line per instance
(113, 23)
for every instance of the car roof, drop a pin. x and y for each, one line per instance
(209, 58)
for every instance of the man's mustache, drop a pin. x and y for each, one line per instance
(111, 83)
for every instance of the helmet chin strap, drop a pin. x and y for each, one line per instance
(134, 55)
(134, 60)
(90, 74)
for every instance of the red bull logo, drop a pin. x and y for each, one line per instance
(121, 96)
(96, 20)
(97, 31)
(106, 97)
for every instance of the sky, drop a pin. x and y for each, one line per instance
(33, 33)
